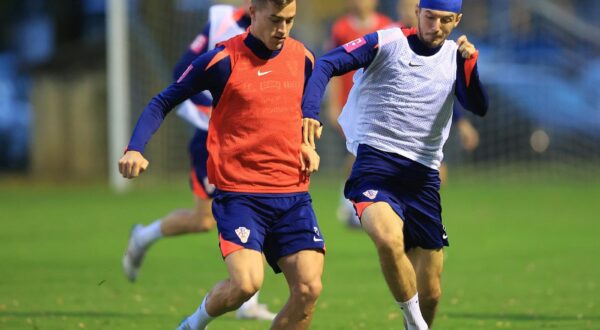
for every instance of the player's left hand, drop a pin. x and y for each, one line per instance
(311, 131)
(469, 137)
(465, 48)
(309, 160)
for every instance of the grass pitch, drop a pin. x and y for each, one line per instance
(522, 256)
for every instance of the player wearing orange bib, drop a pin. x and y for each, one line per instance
(256, 161)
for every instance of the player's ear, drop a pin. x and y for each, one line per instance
(458, 18)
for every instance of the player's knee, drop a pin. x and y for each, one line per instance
(243, 290)
(308, 292)
(386, 238)
(390, 244)
(431, 296)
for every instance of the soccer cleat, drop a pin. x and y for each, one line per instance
(134, 255)
(184, 325)
(256, 312)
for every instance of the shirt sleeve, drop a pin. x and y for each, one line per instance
(457, 113)
(198, 47)
(207, 72)
(469, 90)
(309, 64)
(349, 57)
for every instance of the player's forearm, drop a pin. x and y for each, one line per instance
(315, 88)
(147, 124)
(156, 111)
(469, 89)
(477, 98)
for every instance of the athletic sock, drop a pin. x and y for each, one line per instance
(412, 314)
(200, 319)
(148, 234)
(250, 303)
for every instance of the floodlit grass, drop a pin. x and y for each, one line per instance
(522, 256)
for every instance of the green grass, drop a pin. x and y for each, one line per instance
(522, 256)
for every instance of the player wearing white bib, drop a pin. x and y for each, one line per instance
(396, 121)
(224, 23)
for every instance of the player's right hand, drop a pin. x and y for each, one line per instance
(132, 164)
(309, 160)
(311, 131)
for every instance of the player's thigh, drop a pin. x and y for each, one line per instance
(303, 268)
(246, 267)
(428, 265)
(382, 223)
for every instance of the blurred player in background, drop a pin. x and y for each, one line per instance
(362, 18)
(469, 137)
(257, 161)
(224, 22)
(396, 121)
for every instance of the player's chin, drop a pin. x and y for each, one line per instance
(436, 42)
(277, 43)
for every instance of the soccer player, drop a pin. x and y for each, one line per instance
(396, 121)
(469, 137)
(224, 22)
(256, 160)
(362, 18)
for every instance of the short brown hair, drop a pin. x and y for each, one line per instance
(277, 3)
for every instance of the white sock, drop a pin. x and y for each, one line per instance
(412, 314)
(250, 303)
(200, 318)
(148, 234)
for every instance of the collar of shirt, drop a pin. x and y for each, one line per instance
(259, 49)
(244, 21)
(418, 47)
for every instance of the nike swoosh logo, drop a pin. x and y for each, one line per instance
(444, 236)
(260, 74)
(317, 239)
(414, 65)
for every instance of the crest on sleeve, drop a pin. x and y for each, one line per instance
(354, 44)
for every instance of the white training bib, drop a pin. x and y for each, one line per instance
(402, 103)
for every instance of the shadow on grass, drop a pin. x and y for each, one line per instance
(95, 314)
(521, 317)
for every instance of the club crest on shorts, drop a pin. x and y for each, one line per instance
(371, 194)
(243, 233)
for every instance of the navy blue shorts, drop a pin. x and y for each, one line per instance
(410, 188)
(199, 157)
(276, 225)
